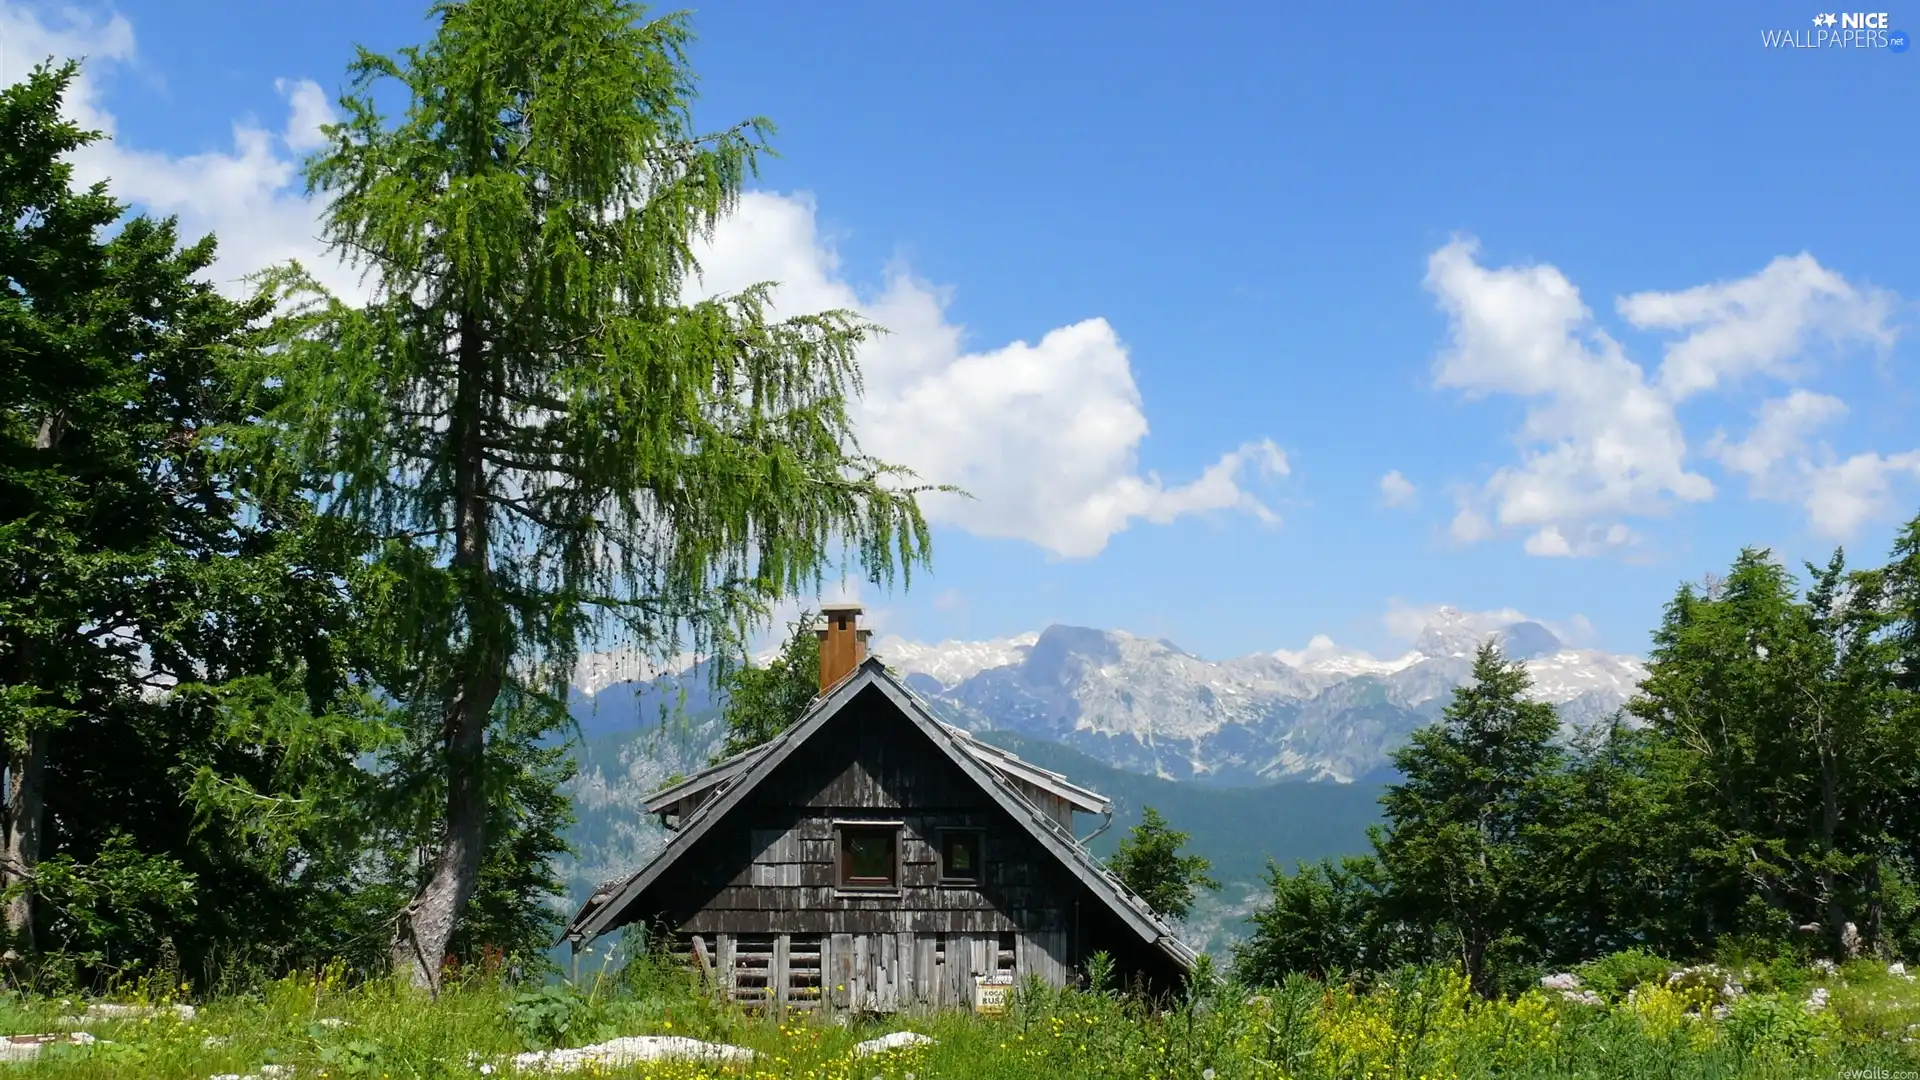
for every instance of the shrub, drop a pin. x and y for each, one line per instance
(1616, 974)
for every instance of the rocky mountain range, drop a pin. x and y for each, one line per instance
(1136, 718)
(1323, 713)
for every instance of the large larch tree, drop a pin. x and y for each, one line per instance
(559, 447)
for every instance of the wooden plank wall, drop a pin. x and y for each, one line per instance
(762, 886)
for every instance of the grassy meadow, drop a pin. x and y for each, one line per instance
(1418, 1023)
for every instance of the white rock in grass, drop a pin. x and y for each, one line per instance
(276, 1070)
(1899, 971)
(1817, 1001)
(897, 1040)
(628, 1050)
(27, 1047)
(1565, 980)
(107, 1010)
(1824, 966)
(1582, 997)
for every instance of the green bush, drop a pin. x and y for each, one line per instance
(1773, 1027)
(1616, 974)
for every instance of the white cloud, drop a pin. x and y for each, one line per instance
(1597, 442)
(1783, 461)
(1843, 496)
(1547, 542)
(1410, 622)
(1779, 435)
(1396, 490)
(1044, 435)
(1470, 526)
(250, 197)
(1763, 324)
(309, 112)
(1601, 443)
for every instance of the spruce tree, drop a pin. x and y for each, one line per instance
(1148, 860)
(1461, 824)
(178, 690)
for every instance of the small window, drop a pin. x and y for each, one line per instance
(869, 856)
(960, 856)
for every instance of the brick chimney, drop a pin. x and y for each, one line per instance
(843, 645)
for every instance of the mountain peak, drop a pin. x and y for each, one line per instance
(1450, 632)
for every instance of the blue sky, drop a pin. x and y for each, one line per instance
(1302, 248)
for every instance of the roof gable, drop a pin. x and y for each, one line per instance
(993, 771)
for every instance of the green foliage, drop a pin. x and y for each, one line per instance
(1149, 862)
(1760, 814)
(551, 445)
(182, 663)
(1772, 1028)
(764, 701)
(1795, 750)
(1324, 918)
(110, 913)
(514, 913)
(1615, 975)
(1407, 1023)
(1460, 841)
(548, 1015)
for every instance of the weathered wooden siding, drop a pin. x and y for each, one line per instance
(762, 885)
(875, 972)
(1053, 805)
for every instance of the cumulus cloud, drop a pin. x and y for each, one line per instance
(1601, 442)
(1780, 434)
(1782, 460)
(1396, 490)
(1763, 324)
(308, 112)
(1044, 434)
(250, 196)
(1597, 441)
(1469, 526)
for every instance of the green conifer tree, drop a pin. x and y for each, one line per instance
(529, 412)
(1460, 825)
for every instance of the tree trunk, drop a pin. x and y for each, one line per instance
(1473, 957)
(1834, 913)
(26, 804)
(26, 780)
(426, 926)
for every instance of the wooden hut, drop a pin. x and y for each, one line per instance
(873, 858)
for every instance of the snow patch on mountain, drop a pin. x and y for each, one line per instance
(1323, 657)
(599, 670)
(1323, 712)
(952, 662)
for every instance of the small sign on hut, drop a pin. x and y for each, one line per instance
(990, 995)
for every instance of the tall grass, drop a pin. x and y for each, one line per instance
(1419, 1023)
